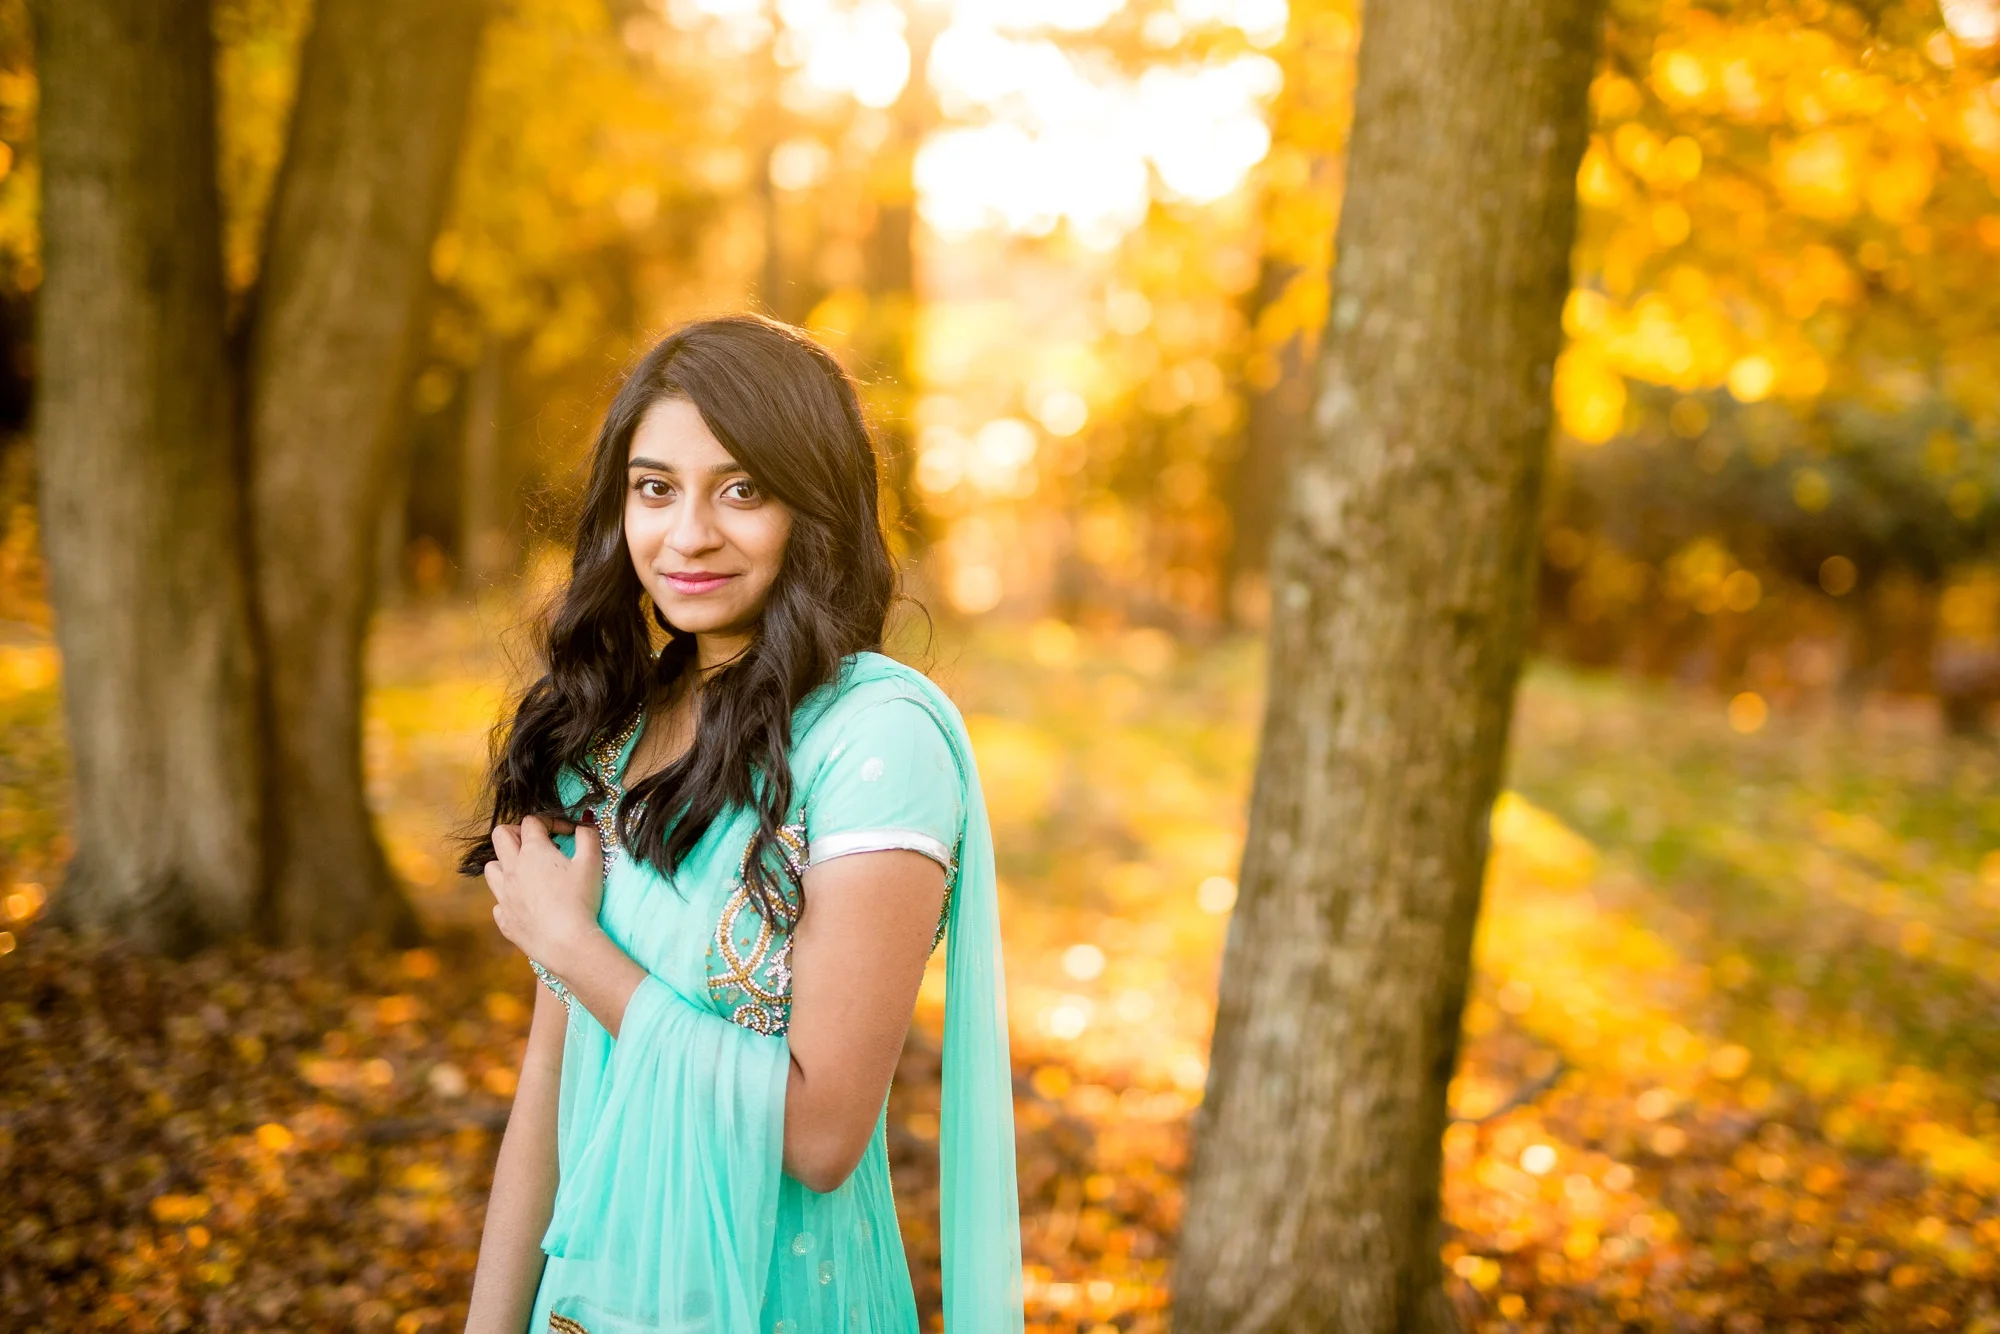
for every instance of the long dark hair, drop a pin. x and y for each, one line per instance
(788, 413)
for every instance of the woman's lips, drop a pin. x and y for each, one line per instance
(691, 584)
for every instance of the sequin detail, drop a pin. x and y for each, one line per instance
(604, 761)
(950, 888)
(562, 1324)
(750, 957)
(555, 984)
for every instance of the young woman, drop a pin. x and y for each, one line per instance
(729, 858)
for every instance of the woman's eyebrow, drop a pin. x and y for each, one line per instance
(715, 470)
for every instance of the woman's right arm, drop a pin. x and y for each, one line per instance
(524, 1183)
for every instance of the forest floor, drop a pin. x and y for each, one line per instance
(1730, 1062)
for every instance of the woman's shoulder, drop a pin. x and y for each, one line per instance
(867, 679)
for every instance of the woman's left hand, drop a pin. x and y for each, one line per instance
(545, 902)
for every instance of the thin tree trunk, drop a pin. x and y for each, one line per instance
(140, 503)
(1274, 416)
(382, 101)
(484, 554)
(392, 538)
(1401, 576)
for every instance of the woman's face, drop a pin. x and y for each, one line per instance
(705, 540)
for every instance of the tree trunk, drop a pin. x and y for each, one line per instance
(141, 508)
(392, 537)
(485, 552)
(382, 99)
(1274, 416)
(1401, 575)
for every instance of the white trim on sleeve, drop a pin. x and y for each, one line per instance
(829, 846)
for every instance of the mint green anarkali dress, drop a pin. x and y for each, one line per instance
(673, 1210)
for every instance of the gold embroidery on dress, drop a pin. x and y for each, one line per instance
(562, 1324)
(754, 980)
(950, 884)
(604, 759)
(761, 970)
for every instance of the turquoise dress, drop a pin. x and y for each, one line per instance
(673, 1211)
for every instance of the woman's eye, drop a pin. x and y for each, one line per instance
(653, 488)
(742, 489)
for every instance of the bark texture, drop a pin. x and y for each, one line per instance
(139, 494)
(1400, 600)
(382, 102)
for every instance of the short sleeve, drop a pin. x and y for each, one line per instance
(890, 781)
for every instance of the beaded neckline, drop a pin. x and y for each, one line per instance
(607, 760)
(604, 762)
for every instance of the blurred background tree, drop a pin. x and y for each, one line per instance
(141, 491)
(213, 464)
(1404, 543)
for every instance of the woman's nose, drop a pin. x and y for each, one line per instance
(693, 529)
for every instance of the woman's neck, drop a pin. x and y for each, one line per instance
(716, 651)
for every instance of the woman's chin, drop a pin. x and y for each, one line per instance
(691, 617)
